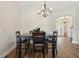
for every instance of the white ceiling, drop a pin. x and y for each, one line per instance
(56, 5)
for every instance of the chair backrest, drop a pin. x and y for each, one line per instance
(17, 33)
(55, 33)
(38, 37)
(18, 36)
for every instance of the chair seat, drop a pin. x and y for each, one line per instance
(49, 40)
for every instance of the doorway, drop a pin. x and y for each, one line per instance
(64, 26)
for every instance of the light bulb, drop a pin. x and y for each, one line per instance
(42, 13)
(38, 12)
(47, 13)
(42, 8)
(50, 9)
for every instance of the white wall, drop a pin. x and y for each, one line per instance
(77, 22)
(9, 21)
(30, 19)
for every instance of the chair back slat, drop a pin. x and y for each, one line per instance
(38, 37)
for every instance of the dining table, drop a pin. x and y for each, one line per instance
(29, 37)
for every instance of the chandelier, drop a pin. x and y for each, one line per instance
(45, 11)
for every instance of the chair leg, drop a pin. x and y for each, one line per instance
(25, 48)
(28, 48)
(53, 51)
(43, 55)
(43, 52)
(56, 51)
(33, 54)
(46, 50)
(16, 52)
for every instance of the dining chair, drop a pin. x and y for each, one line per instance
(55, 34)
(53, 41)
(39, 42)
(21, 45)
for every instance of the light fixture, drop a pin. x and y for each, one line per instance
(45, 11)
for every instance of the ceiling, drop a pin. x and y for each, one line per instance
(56, 5)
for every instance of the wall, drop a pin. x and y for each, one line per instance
(30, 19)
(77, 22)
(9, 21)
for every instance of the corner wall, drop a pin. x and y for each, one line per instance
(9, 21)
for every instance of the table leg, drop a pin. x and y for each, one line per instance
(53, 48)
(19, 49)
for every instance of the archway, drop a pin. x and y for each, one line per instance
(64, 26)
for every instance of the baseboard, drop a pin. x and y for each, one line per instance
(75, 42)
(7, 52)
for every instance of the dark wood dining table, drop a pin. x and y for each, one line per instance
(29, 37)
